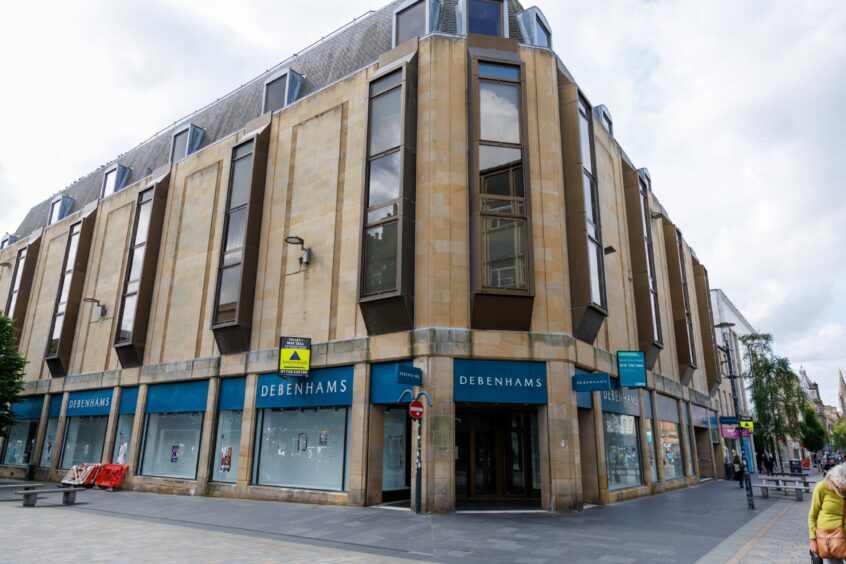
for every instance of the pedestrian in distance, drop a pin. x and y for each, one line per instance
(760, 457)
(769, 463)
(738, 470)
(825, 519)
(829, 464)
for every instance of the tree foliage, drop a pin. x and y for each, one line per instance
(11, 373)
(773, 387)
(811, 432)
(838, 436)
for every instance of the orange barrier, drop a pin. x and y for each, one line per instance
(111, 476)
(82, 475)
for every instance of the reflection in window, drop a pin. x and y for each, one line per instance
(502, 202)
(20, 262)
(622, 451)
(671, 456)
(542, 34)
(596, 257)
(64, 291)
(485, 17)
(135, 266)
(381, 245)
(411, 22)
(234, 229)
(274, 93)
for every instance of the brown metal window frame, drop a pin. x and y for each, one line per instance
(392, 310)
(688, 316)
(646, 220)
(14, 288)
(65, 279)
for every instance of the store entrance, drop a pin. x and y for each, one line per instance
(497, 454)
(396, 474)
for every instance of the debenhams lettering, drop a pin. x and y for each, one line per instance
(497, 381)
(307, 388)
(90, 402)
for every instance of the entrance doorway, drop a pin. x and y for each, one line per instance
(704, 450)
(497, 454)
(396, 475)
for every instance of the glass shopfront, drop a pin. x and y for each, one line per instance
(621, 411)
(49, 445)
(302, 430)
(228, 442)
(670, 438)
(85, 431)
(126, 418)
(385, 390)
(20, 442)
(173, 429)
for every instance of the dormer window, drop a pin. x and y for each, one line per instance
(60, 207)
(604, 116)
(410, 22)
(186, 140)
(7, 240)
(486, 17)
(280, 89)
(542, 36)
(114, 180)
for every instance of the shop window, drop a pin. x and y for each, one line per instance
(486, 17)
(386, 289)
(410, 22)
(186, 140)
(84, 440)
(20, 442)
(49, 446)
(500, 204)
(671, 455)
(622, 452)
(302, 448)
(172, 444)
(228, 443)
(235, 289)
(123, 431)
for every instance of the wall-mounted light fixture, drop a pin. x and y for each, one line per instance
(656, 215)
(100, 307)
(609, 250)
(305, 252)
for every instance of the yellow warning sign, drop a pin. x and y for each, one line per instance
(294, 356)
(747, 425)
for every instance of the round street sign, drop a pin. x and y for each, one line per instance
(415, 410)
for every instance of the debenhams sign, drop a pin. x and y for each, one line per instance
(497, 381)
(93, 402)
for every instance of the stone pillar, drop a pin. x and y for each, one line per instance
(438, 456)
(60, 437)
(656, 436)
(207, 436)
(359, 422)
(691, 440)
(137, 430)
(599, 437)
(645, 396)
(562, 444)
(35, 458)
(111, 427)
(375, 450)
(248, 436)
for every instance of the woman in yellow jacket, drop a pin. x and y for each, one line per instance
(827, 506)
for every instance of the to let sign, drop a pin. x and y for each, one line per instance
(415, 410)
(294, 356)
(632, 368)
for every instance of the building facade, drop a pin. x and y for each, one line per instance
(426, 187)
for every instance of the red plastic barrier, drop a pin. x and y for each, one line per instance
(111, 475)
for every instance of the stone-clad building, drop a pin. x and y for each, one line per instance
(427, 186)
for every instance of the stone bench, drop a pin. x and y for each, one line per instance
(27, 486)
(765, 490)
(31, 496)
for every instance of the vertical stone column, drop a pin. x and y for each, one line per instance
(438, 456)
(645, 396)
(359, 422)
(656, 436)
(111, 427)
(562, 444)
(691, 439)
(135, 440)
(599, 437)
(60, 438)
(375, 450)
(207, 436)
(35, 459)
(248, 435)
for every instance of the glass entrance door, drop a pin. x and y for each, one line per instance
(395, 454)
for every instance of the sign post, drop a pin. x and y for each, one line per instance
(294, 356)
(415, 411)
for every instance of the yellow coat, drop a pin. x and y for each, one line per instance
(826, 510)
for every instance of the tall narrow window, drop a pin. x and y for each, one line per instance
(682, 315)
(596, 257)
(649, 252)
(135, 262)
(544, 38)
(274, 93)
(688, 318)
(64, 291)
(485, 17)
(410, 22)
(386, 289)
(55, 212)
(20, 261)
(109, 183)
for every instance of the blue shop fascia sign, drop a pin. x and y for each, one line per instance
(326, 387)
(90, 402)
(499, 381)
(631, 365)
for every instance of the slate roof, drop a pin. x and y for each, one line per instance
(353, 47)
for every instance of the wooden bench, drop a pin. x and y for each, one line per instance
(31, 496)
(765, 490)
(27, 486)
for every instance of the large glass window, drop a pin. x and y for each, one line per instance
(485, 17)
(502, 197)
(646, 220)
(135, 267)
(596, 256)
(172, 444)
(622, 455)
(84, 440)
(688, 318)
(411, 22)
(123, 436)
(49, 446)
(232, 249)
(20, 261)
(228, 446)
(64, 291)
(671, 455)
(20, 442)
(302, 448)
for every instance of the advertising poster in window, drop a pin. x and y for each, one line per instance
(226, 459)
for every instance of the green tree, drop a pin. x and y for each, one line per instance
(838, 436)
(773, 388)
(11, 373)
(811, 432)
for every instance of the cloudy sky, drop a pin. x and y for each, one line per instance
(735, 108)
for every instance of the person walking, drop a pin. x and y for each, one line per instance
(737, 466)
(829, 464)
(826, 515)
(769, 463)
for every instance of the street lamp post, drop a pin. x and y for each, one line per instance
(747, 479)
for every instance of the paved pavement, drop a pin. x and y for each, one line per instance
(709, 522)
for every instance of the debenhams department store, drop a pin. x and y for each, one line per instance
(427, 187)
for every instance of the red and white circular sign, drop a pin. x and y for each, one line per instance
(415, 410)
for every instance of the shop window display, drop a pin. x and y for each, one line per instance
(123, 437)
(49, 446)
(395, 457)
(20, 442)
(622, 455)
(84, 439)
(671, 456)
(228, 446)
(172, 444)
